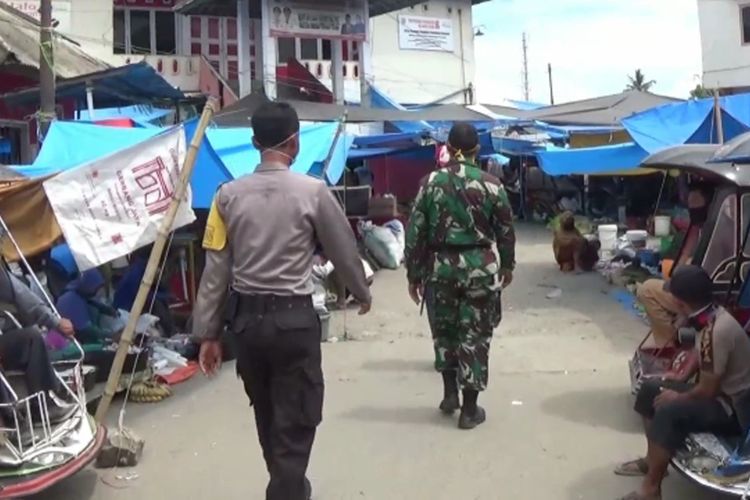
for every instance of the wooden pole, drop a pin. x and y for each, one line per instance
(340, 130)
(551, 88)
(717, 116)
(153, 263)
(46, 67)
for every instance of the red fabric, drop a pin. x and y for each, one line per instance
(116, 122)
(399, 177)
(180, 375)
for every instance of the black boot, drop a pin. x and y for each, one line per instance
(472, 414)
(450, 402)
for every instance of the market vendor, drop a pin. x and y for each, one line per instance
(24, 349)
(127, 289)
(661, 308)
(719, 403)
(82, 303)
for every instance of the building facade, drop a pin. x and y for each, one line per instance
(417, 55)
(725, 40)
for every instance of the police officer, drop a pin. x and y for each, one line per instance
(261, 235)
(458, 215)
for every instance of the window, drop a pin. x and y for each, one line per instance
(138, 31)
(119, 31)
(745, 14)
(164, 26)
(326, 50)
(309, 49)
(287, 50)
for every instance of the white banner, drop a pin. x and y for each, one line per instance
(425, 33)
(61, 11)
(112, 206)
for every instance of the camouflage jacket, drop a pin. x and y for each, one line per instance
(459, 213)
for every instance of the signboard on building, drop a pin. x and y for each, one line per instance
(61, 11)
(344, 19)
(425, 33)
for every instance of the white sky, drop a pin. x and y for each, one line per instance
(593, 46)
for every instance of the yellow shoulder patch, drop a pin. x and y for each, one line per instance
(215, 237)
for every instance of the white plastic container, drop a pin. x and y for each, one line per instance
(662, 225)
(608, 237)
(637, 236)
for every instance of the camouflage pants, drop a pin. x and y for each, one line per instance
(462, 320)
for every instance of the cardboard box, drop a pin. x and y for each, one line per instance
(383, 207)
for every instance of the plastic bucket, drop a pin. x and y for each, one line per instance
(666, 267)
(608, 237)
(662, 225)
(325, 325)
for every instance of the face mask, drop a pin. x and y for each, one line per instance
(292, 159)
(698, 215)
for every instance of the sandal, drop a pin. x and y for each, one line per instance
(634, 468)
(637, 496)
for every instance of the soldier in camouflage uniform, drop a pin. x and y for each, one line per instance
(459, 213)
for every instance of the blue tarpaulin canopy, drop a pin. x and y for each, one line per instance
(379, 99)
(603, 160)
(225, 153)
(234, 147)
(691, 122)
(142, 115)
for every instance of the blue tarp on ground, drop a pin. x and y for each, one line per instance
(599, 160)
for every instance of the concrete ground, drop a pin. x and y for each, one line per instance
(559, 410)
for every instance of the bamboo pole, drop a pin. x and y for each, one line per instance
(339, 131)
(153, 263)
(717, 116)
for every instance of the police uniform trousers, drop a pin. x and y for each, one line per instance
(279, 361)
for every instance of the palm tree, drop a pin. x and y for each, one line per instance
(700, 92)
(638, 82)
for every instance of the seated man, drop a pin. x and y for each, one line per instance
(719, 403)
(80, 304)
(24, 349)
(661, 308)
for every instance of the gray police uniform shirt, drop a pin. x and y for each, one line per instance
(272, 220)
(725, 352)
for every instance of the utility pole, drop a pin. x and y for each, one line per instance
(551, 88)
(46, 68)
(526, 90)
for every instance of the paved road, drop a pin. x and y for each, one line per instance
(559, 410)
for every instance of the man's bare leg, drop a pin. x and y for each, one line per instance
(658, 459)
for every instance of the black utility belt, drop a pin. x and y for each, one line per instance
(271, 303)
